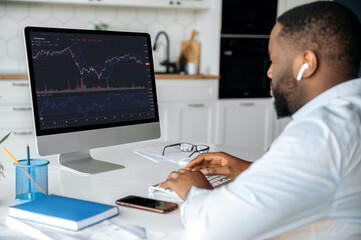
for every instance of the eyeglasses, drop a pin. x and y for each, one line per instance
(188, 147)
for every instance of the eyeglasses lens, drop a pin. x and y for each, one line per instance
(202, 148)
(185, 147)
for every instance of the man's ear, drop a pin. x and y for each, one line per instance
(310, 58)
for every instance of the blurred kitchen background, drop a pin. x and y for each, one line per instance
(177, 20)
(223, 99)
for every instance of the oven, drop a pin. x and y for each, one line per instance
(243, 67)
(244, 60)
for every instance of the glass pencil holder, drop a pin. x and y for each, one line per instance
(31, 180)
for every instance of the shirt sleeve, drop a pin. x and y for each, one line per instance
(292, 185)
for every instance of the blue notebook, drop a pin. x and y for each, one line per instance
(64, 212)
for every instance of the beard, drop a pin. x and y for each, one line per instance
(287, 96)
(280, 104)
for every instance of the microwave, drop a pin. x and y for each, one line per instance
(244, 62)
(248, 17)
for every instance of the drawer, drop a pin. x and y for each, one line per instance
(16, 117)
(14, 85)
(180, 90)
(14, 92)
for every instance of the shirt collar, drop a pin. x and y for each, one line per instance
(350, 87)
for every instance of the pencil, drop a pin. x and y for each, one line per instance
(26, 173)
(11, 156)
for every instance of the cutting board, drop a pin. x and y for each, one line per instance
(191, 49)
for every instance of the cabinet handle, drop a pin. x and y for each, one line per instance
(21, 108)
(23, 133)
(20, 84)
(178, 3)
(171, 2)
(196, 105)
(247, 104)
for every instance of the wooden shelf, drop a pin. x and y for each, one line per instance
(12, 77)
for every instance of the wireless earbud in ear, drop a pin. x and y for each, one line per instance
(300, 73)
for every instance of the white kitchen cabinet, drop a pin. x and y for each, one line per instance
(188, 121)
(16, 117)
(188, 110)
(14, 92)
(15, 108)
(191, 4)
(183, 4)
(247, 123)
(129, 3)
(197, 121)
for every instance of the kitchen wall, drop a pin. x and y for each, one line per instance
(178, 23)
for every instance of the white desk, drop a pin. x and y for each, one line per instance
(107, 187)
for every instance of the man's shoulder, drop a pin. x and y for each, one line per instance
(341, 117)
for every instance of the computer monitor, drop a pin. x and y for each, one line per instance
(90, 89)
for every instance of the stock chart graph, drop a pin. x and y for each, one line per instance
(85, 105)
(102, 73)
(84, 79)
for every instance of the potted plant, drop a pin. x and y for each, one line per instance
(1, 166)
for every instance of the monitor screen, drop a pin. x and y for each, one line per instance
(86, 80)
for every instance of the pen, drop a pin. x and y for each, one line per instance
(28, 162)
(28, 153)
(26, 173)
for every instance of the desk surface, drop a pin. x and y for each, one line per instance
(107, 187)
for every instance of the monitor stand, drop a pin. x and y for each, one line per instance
(83, 163)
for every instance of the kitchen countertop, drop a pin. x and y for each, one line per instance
(184, 76)
(157, 76)
(12, 77)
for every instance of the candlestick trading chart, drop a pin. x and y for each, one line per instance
(85, 79)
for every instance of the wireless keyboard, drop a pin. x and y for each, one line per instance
(216, 181)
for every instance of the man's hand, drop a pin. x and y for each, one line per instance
(181, 182)
(218, 164)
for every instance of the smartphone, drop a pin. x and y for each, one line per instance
(147, 204)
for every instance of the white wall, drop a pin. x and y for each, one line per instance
(284, 5)
(178, 23)
(208, 23)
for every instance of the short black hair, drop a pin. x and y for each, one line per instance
(329, 29)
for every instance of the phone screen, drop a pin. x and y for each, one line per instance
(147, 204)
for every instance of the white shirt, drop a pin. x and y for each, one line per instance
(307, 186)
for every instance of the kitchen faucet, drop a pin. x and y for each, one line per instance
(166, 61)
